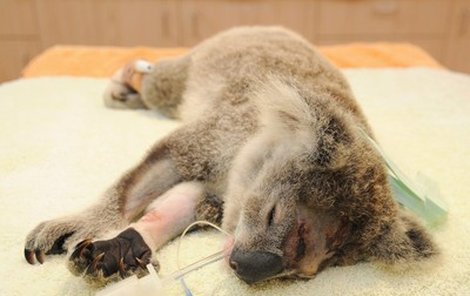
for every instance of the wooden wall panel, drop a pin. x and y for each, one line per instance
(148, 22)
(108, 22)
(203, 18)
(442, 27)
(14, 56)
(458, 46)
(17, 17)
(385, 17)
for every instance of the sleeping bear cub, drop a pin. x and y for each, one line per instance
(270, 147)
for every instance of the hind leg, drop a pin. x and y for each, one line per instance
(159, 87)
(119, 95)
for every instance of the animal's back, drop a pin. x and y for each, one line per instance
(231, 66)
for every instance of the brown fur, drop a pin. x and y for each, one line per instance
(271, 130)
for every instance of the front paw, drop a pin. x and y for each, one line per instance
(56, 236)
(104, 261)
(53, 237)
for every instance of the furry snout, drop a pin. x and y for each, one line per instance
(255, 266)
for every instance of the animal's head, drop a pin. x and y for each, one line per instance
(309, 192)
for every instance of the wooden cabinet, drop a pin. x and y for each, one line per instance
(150, 23)
(441, 27)
(17, 18)
(458, 50)
(19, 39)
(15, 54)
(421, 22)
(384, 17)
(203, 18)
(108, 22)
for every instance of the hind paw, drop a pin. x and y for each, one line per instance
(119, 95)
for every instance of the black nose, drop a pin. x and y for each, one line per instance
(255, 266)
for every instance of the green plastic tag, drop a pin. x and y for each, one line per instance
(422, 197)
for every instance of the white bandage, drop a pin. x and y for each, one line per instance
(143, 67)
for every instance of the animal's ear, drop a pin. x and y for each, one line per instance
(403, 240)
(314, 124)
(283, 109)
(333, 141)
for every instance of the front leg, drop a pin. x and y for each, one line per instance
(119, 206)
(130, 251)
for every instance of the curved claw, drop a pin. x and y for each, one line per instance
(80, 248)
(29, 256)
(83, 244)
(141, 263)
(84, 247)
(122, 267)
(97, 260)
(40, 255)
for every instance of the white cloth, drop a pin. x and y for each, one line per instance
(60, 148)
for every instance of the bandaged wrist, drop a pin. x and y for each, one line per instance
(134, 72)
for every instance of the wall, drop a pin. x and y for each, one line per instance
(442, 27)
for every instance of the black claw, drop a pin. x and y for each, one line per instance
(80, 249)
(39, 255)
(83, 244)
(29, 256)
(75, 254)
(84, 249)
